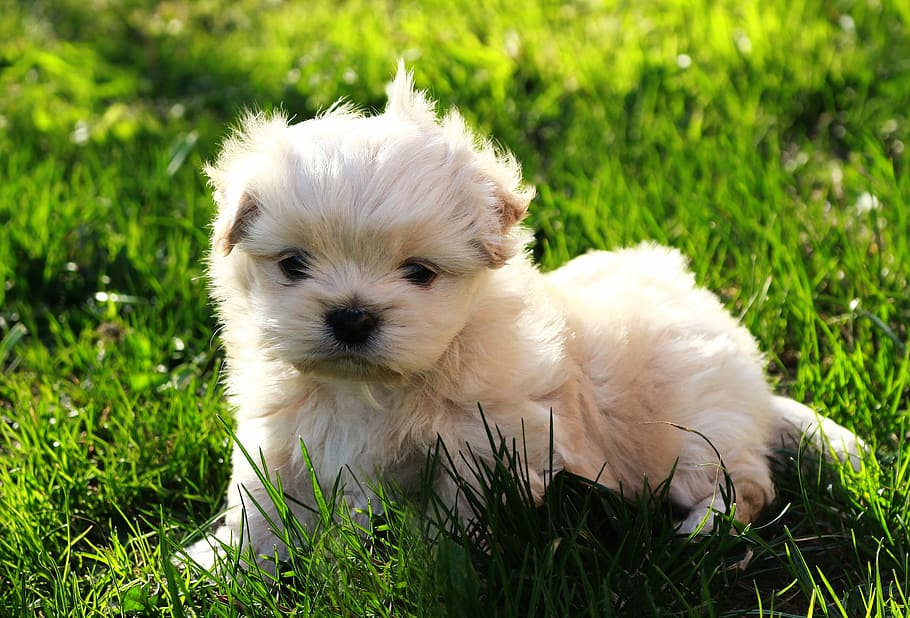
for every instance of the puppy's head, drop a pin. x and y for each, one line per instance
(355, 245)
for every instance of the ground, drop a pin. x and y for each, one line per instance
(763, 139)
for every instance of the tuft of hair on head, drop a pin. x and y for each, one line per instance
(405, 101)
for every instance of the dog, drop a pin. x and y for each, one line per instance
(372, 281)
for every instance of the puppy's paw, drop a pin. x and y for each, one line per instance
(798, 424)
(211, 553)
(701, 518)
(204, 554)
(839, 442)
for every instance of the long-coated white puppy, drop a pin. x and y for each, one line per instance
(372, 279)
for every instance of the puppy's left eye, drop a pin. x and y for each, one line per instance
(418, 273)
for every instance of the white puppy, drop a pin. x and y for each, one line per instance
(374, 288)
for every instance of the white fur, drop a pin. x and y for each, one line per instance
(642, 369)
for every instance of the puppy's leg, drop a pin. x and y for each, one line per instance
(208, 552)
(795, 421)
(702, 490)
(244, 527)
(748, 469)
(252, 520)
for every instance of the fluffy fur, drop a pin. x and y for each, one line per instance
(642, 370)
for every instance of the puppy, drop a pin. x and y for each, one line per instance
(371, 277)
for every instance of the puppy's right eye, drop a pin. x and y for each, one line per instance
(295, 266)
(418, 273)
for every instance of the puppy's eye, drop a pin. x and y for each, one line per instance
(295, 266)
(418, 273)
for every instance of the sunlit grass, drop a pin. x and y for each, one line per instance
(765, 140)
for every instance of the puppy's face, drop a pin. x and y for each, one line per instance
(356, 245)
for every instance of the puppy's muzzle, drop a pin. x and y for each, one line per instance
(351, 325)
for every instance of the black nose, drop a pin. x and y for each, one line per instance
(351, 326)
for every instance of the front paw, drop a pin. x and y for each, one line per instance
(211, 553)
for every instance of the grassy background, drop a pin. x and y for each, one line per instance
(764, 139)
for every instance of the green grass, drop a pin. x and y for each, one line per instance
(766, 140)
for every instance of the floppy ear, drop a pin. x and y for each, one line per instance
(499, 236)
(256, 133)
(233, 223)
(510, 207)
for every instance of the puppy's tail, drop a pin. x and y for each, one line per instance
(796, 424)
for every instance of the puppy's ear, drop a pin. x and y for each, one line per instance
(406, 101)
(254, 140)
(233, 223)
(500, 236)
(510, 207)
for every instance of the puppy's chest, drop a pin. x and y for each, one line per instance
(358, 431)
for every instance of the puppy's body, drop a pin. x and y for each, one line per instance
(373, 287)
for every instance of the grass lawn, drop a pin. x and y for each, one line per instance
(766, 140)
